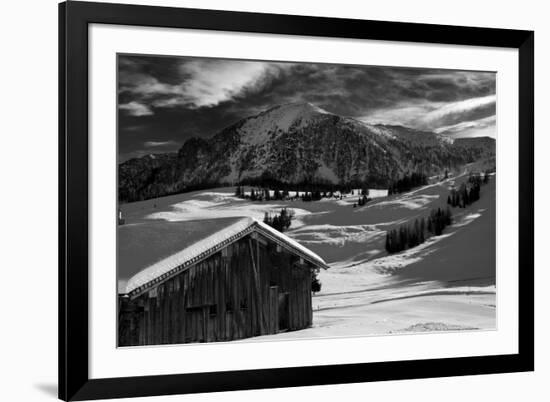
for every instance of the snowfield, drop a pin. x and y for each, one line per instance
(446, 284)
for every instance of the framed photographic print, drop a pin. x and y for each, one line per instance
(257, 200)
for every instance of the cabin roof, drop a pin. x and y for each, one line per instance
(151, 252)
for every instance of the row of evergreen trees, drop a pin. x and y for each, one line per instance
(264, 194)
(410, 235)
(407, 183)
(261, 194)
(313, 196)
(468, 193)
(281, 221)
(311, 185)
(464, 195)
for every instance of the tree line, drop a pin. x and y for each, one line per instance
(311, 184)
(410, 235)
(407, 183)
(467, 193)
(261, 194)
(264, 194)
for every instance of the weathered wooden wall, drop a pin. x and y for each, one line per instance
(236, 293)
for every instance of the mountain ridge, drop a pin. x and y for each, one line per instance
(297, 143)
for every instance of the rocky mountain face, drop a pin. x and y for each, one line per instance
(297, 143)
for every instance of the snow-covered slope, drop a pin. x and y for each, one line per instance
(447, 283)
(282, 118)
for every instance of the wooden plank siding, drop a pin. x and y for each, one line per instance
(233, 294)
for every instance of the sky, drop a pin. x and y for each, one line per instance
(165, 100)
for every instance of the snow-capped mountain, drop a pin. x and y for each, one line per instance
(282, 118)
(297, 143)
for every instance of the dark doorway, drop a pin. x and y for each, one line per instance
(284, 312)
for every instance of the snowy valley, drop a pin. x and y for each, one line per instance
(446, 283)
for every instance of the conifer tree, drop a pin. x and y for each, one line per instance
(315, 284)
(422, 229)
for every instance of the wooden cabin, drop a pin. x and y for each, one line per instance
(210, 280)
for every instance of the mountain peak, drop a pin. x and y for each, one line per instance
(256, 129)
(296, 109)
(303, 107)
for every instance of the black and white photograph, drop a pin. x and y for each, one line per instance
(275, 201)
(266, 200)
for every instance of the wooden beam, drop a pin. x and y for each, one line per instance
(257, 286)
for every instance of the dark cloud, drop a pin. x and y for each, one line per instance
(169, 99)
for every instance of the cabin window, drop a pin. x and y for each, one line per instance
(272, 283)
(228, 307)
(213, 310)
(244, 304)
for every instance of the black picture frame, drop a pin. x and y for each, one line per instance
(74, 18)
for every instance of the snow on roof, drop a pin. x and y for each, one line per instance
(307, 253)
(151, 252)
